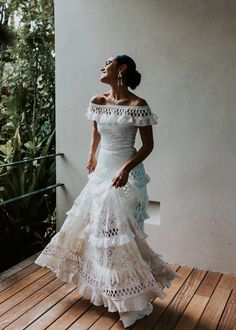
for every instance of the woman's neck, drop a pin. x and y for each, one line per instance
(118, 93)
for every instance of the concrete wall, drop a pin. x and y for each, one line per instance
(186, 53)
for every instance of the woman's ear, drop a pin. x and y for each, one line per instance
(123, 68)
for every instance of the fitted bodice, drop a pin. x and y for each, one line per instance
(117, 137)
(117, 125)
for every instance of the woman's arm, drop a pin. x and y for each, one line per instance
(146, 134)
(95, 139)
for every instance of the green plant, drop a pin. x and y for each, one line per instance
(27, 119)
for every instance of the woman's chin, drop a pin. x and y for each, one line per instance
(103, 80)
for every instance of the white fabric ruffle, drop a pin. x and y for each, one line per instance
(129, 318)
(102, 249)
(134, 115)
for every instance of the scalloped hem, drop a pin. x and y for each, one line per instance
(136, 303)
(124, 304)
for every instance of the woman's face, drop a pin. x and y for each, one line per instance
(109, 71)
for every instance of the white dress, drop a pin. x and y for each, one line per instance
(101, 246)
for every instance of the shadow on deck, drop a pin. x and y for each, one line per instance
(33, 298)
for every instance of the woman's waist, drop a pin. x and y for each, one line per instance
(118, 147)
(120, 152)
(114, 159)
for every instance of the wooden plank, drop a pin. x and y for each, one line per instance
(106, 321)
(18, 276)
(40, 308)
(26, 292)
(34, 299)
(56, 311)
(18, 286)
(159, 305)
(217, 303)
(214, 309)
(192, 313)
(28, 303)
(88, 318)
(228, 319)
(199, 301)
(71, 315)
(118, 326)
(175, 309)
(21, 265)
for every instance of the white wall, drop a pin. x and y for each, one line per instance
(186, 53)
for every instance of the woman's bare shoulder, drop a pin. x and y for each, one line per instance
(98, 99)
(136, 101)
(140, 101)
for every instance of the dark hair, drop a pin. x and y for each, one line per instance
(133, 77)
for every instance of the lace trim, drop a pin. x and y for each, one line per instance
(127, 301)
(111, 283)
(136, 115)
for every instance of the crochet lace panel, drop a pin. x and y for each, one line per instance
(107, 272)
(140, 115)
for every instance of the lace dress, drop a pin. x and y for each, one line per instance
(101, 246)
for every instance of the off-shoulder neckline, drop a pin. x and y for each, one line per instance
(119, 105)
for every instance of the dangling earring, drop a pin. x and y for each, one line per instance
(120, 82)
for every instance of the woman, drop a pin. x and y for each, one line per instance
(101, 246)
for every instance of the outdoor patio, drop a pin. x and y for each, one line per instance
(33, 298)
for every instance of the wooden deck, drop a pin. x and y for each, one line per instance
(33, 298)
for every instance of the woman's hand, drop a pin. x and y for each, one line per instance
(91, 163)
(120, 179)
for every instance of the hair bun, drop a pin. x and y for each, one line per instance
(134, 79)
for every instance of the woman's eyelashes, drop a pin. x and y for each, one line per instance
(107, 63)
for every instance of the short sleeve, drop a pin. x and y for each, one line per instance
(143, 116)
